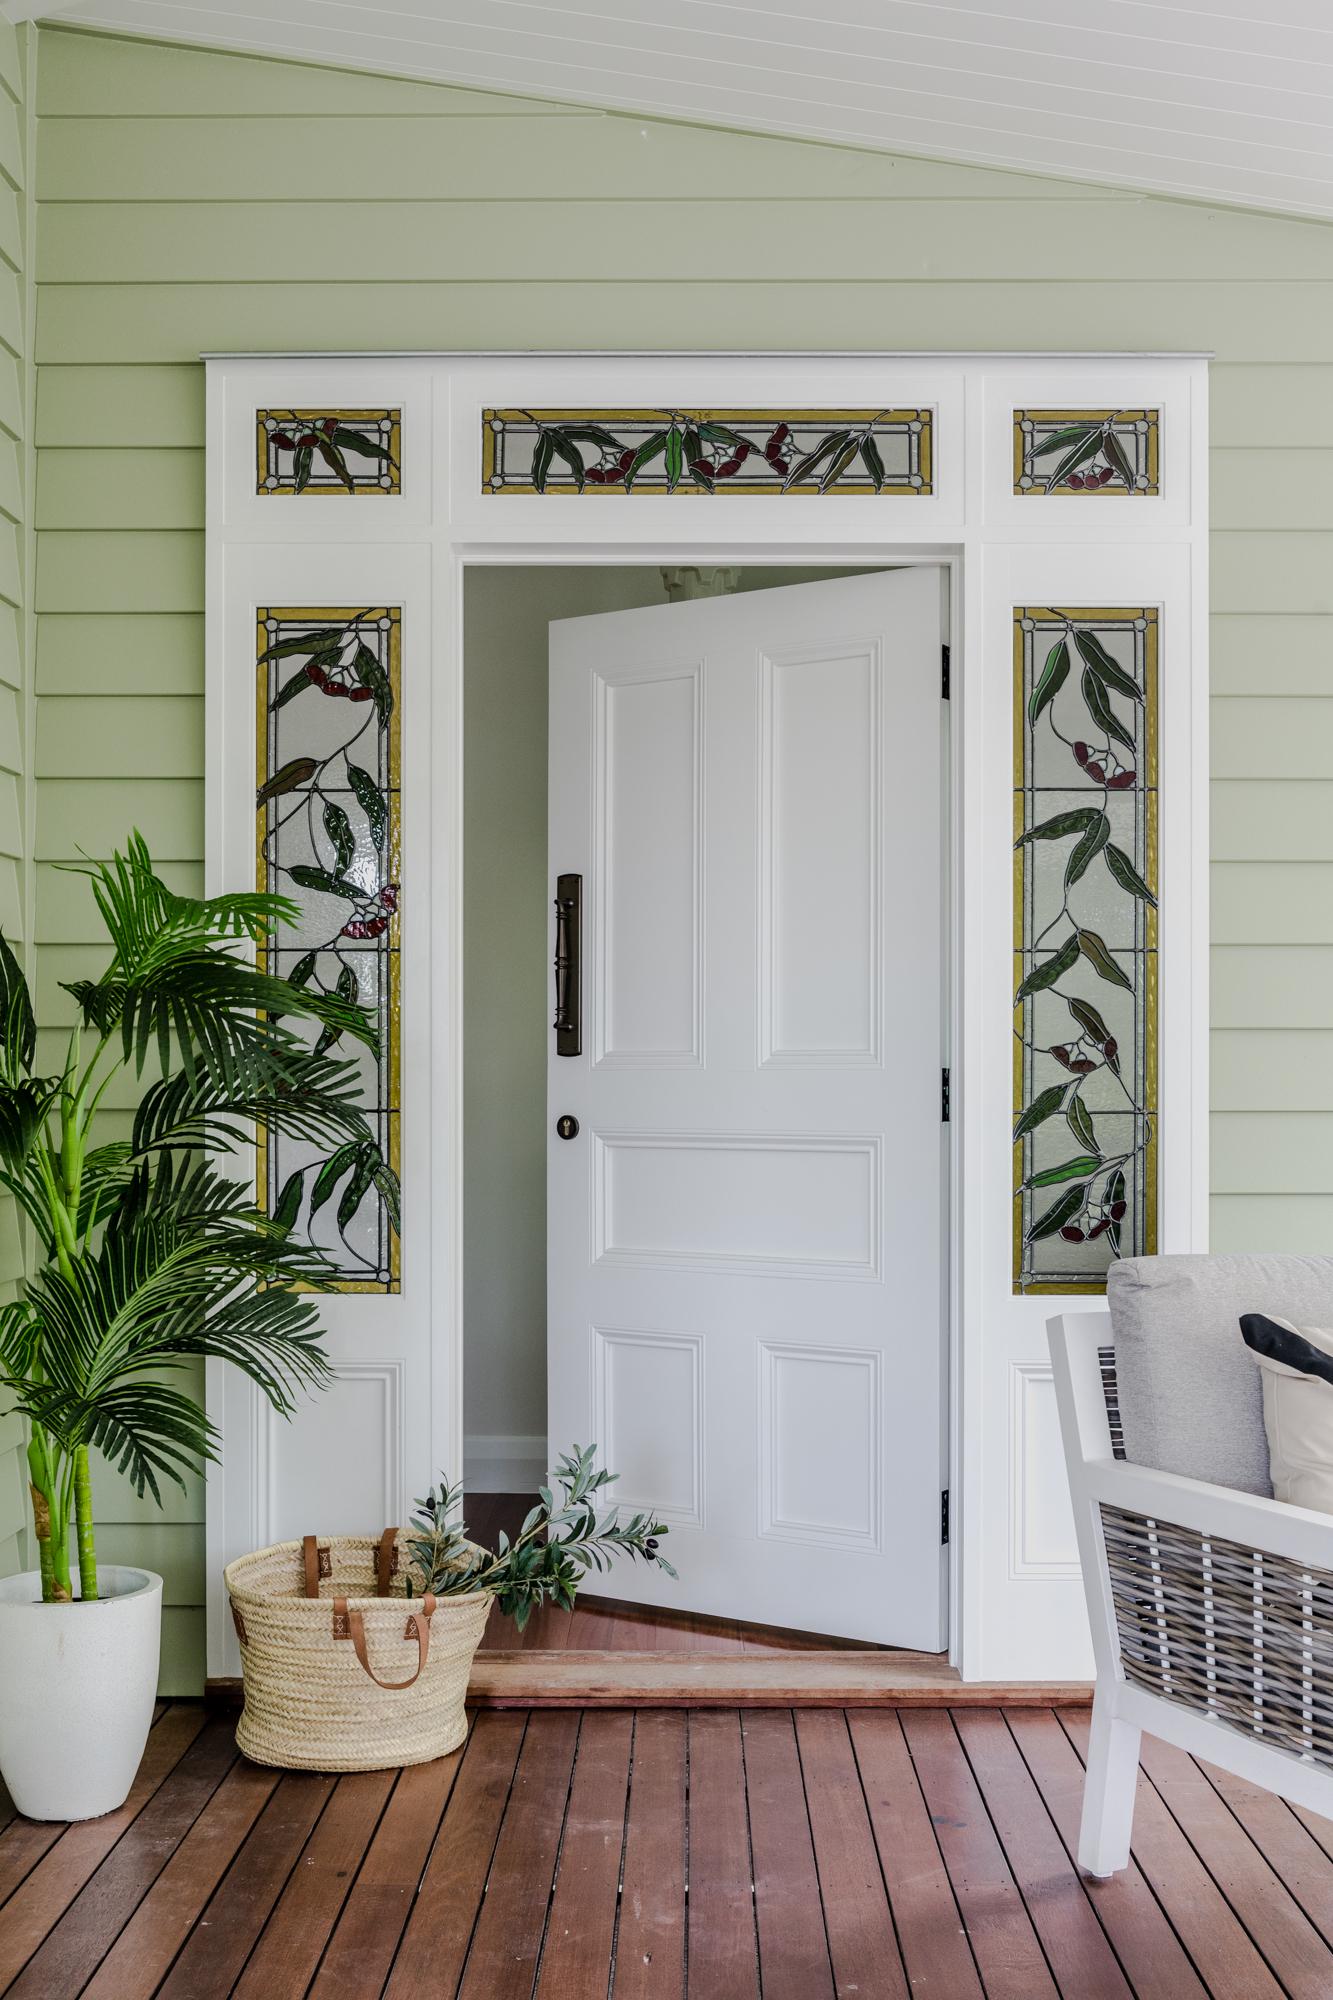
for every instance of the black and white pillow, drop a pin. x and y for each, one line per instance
(1297, 1368)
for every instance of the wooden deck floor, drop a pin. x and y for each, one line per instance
(669, 1855)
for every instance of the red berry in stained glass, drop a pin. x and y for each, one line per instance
(361, 694)
(1122, 781)
(1072, 1233)
(1075, 479)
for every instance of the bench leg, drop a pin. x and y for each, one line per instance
(1108, 1791)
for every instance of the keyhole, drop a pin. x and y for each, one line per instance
(567, 1126)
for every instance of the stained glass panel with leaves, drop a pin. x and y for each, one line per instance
(1111, 452)
(1085, 944)
(328, 451)
(707, 451)
(328, 838)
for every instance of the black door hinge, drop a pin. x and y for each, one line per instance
(944, 1096)
(944, 1518)
(944, 673)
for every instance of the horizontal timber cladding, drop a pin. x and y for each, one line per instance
(459, 219)
(16, 912)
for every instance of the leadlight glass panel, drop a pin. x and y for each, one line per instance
(1112, 452)
(1085, 944)
(328, 795)
(707, 451)
(328, 451)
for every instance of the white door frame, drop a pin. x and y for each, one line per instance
(1016, 1604)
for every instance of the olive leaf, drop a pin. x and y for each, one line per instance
(1078, 1168)
(1099, 708)
(674, 459)
(302, 970)
(842, 458)
(873, 462)
(372, 675)
(1054, 968)
(1087, 850)
(1077, 821)
(301, 466)
(357, 1187)
(1104, 667)
(1128, 876)
(698, 471)
(1059, 1213)
(1099, 958)
(371, 801)
(541, 461)
(721, 434)
(1053, 677)
(1041, 1108)
(591, 434)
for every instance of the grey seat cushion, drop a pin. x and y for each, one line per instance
(1191, 1395)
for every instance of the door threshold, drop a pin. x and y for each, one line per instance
(807, 1679)
(871, 1679)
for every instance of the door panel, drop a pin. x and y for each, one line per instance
(745, 1238)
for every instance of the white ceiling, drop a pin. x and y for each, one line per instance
(1223, 100)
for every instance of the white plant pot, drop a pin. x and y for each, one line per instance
(77, 1687)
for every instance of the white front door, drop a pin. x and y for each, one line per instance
(746, 1231)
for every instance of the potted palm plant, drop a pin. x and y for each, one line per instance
(147, 1252)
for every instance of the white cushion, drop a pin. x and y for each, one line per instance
(1296, 1364)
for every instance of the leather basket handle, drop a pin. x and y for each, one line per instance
(310, 1556)
(386, 1562)
(348, 1624)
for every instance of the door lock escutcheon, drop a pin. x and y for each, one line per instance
(567, 1126)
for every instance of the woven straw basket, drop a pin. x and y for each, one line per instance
(342, 1671)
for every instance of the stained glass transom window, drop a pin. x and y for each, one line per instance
(1086, 451)
(1085, 944)
(707, 451)
(328, 838)
(328, 451)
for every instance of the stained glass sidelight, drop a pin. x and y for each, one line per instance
(328, 451)
(706, 451)
(328, 838)
(1085, 944)
(1086, 451)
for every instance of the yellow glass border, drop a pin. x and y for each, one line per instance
(1153, 419)
(359, 492)
(1080, 615)
(392, 1056)
(847, 489)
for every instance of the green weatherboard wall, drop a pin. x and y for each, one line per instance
(193, 201)
(15, 705)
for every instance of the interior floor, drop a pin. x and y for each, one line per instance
(603, 1624)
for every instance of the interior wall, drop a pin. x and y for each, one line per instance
(192, 201)
(508, 993)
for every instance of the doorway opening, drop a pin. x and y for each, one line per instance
(837, 949)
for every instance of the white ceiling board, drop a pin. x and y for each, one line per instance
(1223, 102)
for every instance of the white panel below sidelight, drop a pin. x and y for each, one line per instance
(648, 1398)
(1042, 1541)
(647, 762)
(819, 1445)
(819, 845)
(781, 1206)
(357, 1427)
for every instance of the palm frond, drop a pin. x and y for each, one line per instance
(18, 1025)
(275, 1080)
(150, 926)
